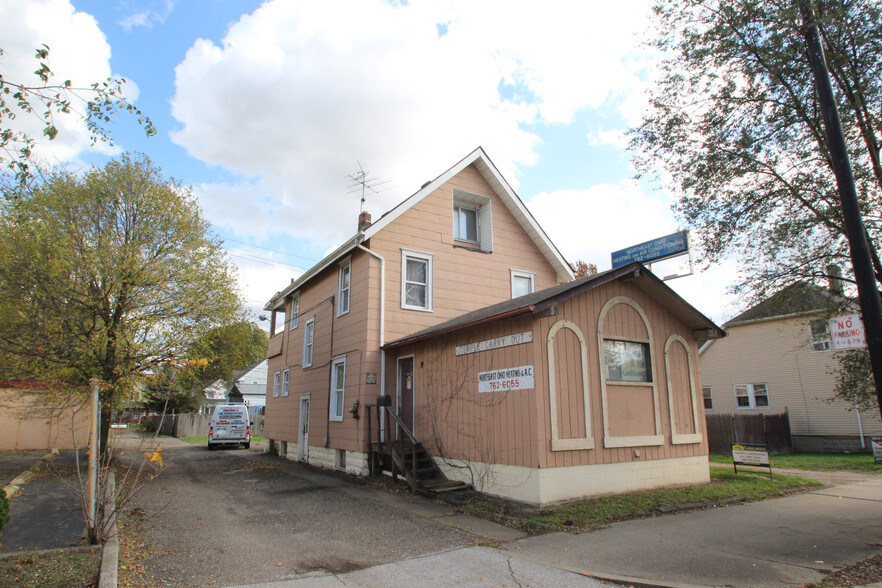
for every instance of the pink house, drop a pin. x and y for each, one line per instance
(457, 315)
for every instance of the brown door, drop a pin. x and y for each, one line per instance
(405, 391)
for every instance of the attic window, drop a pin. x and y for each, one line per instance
(472, 220)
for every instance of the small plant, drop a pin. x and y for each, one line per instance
(4, 509)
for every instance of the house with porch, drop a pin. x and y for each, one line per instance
(448, 339)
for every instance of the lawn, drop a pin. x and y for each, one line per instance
(60, 568)
(586, 515)
(851, 462)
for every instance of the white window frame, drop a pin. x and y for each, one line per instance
(819, 341)
(335, 411)
(276, 377)
(286, 381)
(750, 394)
(483, 218)
(308, 342)
(706, 397)
(522, 274)
(295, 312)
(344, 292)
(418, 256)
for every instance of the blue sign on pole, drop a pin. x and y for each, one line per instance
(661, 248)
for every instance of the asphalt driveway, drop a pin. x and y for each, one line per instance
(232, 517)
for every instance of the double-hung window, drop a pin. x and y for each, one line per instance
(751, 396)
(286, 378)
(416, 280)
(343, 284)
(708, 399)
(820, 335)
(295, 311)
(308, 341)
(276, 378)
(338, 384)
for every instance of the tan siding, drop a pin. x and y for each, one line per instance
(800, 380)
(681, 381)
(463, 280)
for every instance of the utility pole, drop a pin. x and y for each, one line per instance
(862, 263)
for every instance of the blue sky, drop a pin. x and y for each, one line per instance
(264, 108)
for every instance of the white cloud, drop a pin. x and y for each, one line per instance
(297, 92)
(590, 224)
(158, 12)
(79, 52)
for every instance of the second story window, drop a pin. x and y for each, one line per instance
(820, 335)
(416, 280)
(308, 341)
(295, 311)
(286, 380)
(343, 283)
(276, 379)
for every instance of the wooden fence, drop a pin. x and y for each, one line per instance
(769, 429)
(196, 425)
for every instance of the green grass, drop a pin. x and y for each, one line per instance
(851, 462)
(204, 440)
(587, 515)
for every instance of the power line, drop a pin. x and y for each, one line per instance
(268, 249)
(264, 261)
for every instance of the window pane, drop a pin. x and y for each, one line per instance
(626, 361)
(416, 271)
(521, 286)
(762, 400)
(465, 224)
(415, 295)
(743, 401)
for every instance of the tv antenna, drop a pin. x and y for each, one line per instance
(360, 180)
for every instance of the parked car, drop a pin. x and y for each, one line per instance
(229, 426)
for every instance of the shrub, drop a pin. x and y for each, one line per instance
(4, 509)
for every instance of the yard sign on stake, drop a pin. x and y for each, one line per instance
(752, 454)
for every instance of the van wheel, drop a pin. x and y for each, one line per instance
(211, 446)
(248, 445)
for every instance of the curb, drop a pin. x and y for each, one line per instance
(13, 489)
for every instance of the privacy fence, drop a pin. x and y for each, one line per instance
(770, 429)
(196, 425)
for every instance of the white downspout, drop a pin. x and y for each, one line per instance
(382, 318)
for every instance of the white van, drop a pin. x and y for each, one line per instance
(229, 426)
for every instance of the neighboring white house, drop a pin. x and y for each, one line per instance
(250, 386)
(776, 357)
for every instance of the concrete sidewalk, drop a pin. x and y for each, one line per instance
(780, 542)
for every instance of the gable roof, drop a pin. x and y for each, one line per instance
(797, 298)
(488, 171)
(538, 302)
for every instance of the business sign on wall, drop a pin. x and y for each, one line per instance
(516, 378)
(847, 332)
(506, 341)
(655, 250)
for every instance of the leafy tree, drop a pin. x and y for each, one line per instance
(220, 354)
(47, 100)
(108, 275)
(854, 383)
(735, 123)
(583, 269)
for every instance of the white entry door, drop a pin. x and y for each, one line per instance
(303, 434)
